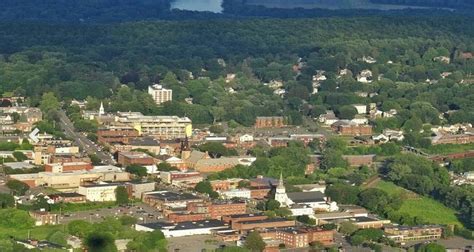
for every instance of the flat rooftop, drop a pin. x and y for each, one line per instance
(171, 196)
(185, 225)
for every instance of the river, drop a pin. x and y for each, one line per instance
(198, 5)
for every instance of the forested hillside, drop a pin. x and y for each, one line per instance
(430, 3)
(77, 61)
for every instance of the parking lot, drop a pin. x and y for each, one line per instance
(141, 211)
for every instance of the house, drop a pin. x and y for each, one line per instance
(329, 118)
(365, 76)
(246, 138)
(43, 217)
(361, 108)
(368, 60)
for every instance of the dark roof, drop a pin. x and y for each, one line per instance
(264, 221)
(185, 225)
(305, 197)
(245, 215)
(66, 195)
(172, 196)
(144, 141)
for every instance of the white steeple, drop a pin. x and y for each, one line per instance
(101, 109)
(280, 192)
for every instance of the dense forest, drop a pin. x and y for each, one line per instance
(430, 3)
(193, 57)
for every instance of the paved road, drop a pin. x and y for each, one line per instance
(82, 141)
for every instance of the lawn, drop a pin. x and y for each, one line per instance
(415, 205)
(40, 232)
(442, 149)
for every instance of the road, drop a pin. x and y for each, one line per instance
(82, 141)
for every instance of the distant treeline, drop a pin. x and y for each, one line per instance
(430, 3)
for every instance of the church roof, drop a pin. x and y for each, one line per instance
(306, 197)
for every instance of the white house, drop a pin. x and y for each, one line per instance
(329, 118)
(361, 108)
(246, 138)
(365, 76)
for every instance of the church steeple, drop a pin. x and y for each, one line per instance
(280, 182)
(280, 192)
(101, 109)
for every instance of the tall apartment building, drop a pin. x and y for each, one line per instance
(160, 95)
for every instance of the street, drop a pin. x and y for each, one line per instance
(82, 141)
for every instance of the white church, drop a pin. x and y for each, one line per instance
(304, 203)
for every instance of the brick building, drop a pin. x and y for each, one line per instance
(263, 224)
(182, 217)
(68, 198)
(67, 167)
(270, 122)
(407, 233)
(215, 210)
(137, 158)
(44, 218)
(116, 135)
(354, 130)
(302, 237)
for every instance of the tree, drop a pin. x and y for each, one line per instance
(347, 228)
(121, 195)
(205, 187)
(79, 228)
(164, 166)
(15, 218)
(431, 247)
(18, 187)
(100, 242)
(357, 240)
(214, 149)
(95, 159)
(272, 205)
(254, 242)
(137, 170)
(49, 102)
(127, 220)
(346, 112)
(374, 199)
(6, 200)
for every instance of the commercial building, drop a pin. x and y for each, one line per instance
(353, 129)
(167, 199)
(98, 192)
(135, 158)
(404, 234)
(204, 227)
(263, 224)
(302, 237)
(161, 127)
(159, 94)
(215, 210)
(224, 185)
(68, 198)
(137, 189)
(116, 134)
(67, 167)
(181, 179)
(234, 218)
(236, 193)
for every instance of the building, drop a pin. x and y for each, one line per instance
(242, 193)
(302, 237)
(353, 129)
(116, 135)
(161, 127)
(98, 192)
(145, 143)
(177, 163)
(262, 224)
(44, 218)
(72, 180)
(448, 138)
(186, 216)
(215, 210)
(270, 122)
(137, 189)
(315, 200)
(361, 108)
(159, 94)
(135, 158)
(402, 234)
(234, 218)
(165, 199)
(67, 167)
(181, 229)
(68, 198)
(224, 185)
(179, 178)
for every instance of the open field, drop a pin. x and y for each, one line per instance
(41, 232)
(415, 205)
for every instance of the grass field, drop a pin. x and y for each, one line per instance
(40, 232)
(415, 205)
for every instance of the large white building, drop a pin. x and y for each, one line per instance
(160, 95)
(181, 229)
(236, 193)
(300, 200)
(98, 192)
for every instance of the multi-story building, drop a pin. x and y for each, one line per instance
(116, 135)
(68, 197)
(243, 193)
(67, 167)
(44, 218)
(160, 95)
(137, 189)
(354, 130)
(263, 224)
(167, 199)
(403, 234)
(302, 237)
(215, 210)
(179, 178)
(224, 185)
(135, 158)
(98, 192)
(162, 127)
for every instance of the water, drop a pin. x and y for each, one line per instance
(198, 5)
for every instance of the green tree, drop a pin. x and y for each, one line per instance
(431, 247)
(49, 102)
(20, 156)
(18, 187)
(100, 242)
(272, 205)
(79, 228)
(137, 170)
(346, 112)
(6, 200)
(347, 228)
(254, 242)
(121, 195)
